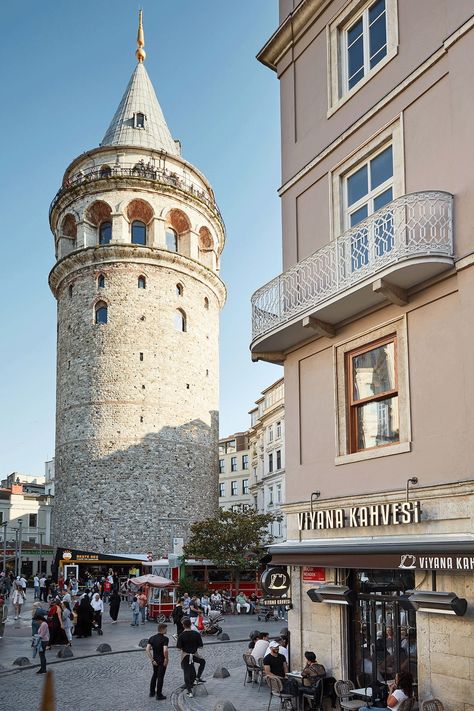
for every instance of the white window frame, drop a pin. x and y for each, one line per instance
(338, 91)
(222, 489)
(234, 490)
(391, 134)
(369, 197)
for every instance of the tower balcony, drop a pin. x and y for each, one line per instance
(405, 243)
(160, 178)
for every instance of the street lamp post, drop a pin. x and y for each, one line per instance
(20, 536)
(5, 524)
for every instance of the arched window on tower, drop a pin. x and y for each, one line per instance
(101, 281)
(101, 312)
(179, 289)
(171, 240)
(105, 232)
(138, 232)
(180, 320)
(141, 282)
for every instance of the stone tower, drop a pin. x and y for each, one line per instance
(138, 238)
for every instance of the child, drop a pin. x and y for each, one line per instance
(135, 612)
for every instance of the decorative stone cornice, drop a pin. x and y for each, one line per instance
(94, 257)
(289, 30)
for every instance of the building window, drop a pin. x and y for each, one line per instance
(179, 289)
(70, 291)
(233, 488)
(141, 282)
(221, 466)
(278, 493)
(362, 39)
(373, 395)
(368, 189)
(171, 240)
(101, 281)
(33, 520)
(180, 320)
(221, 489)
(245, 486)
(105, 232)
(270, 463)
(278, 430)
(101, 312)
(245, 461)
(206, 303)
(138, 232)
(365, 43)
(233, 464)
(270, 434)
(270, 495)
(278, 459)
(139, 120)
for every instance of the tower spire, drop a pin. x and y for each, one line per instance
(140, 53)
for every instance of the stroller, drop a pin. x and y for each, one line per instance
(212, 623)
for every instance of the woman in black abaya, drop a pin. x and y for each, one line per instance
(85, 617)
(114, 606)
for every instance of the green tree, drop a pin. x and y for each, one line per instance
(232, 540)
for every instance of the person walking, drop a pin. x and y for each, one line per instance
(177, 616)
(98, 607)
(142, 601)
(36, 587)
(114, 606)
(135, 612)
(157, 651)
(57, 635)
(189, 642)
(43, 632)
(85, 616)
(67, 621)
(18, 598)
(42, 588)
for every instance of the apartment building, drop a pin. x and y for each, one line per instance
(234, 492)
(372, 320)
(267, 453)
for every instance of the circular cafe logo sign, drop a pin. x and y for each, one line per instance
(67, 555)
(275, 582)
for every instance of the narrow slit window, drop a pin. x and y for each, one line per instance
(101, 281)
(141, 282)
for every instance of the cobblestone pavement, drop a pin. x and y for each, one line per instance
(116, 682)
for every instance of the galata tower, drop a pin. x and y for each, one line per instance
(138, 239)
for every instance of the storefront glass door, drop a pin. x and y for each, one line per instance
(382, 628)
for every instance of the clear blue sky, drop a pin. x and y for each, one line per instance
(65, 66)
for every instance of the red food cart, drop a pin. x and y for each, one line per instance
(161, 595)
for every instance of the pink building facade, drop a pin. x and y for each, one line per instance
(372, 320)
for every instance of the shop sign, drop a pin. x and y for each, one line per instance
(67, 555)
(437, 562)
(401, 512)
(313, 575)
(270, 601)
(87, 556)
(275, 582)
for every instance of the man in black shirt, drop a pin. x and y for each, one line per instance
(189, 642)
(157, 650)
(274, 662)
(177, 615)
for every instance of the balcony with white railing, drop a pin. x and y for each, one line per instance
(405, 243)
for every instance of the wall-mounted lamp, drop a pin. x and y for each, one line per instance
(440, 602)
(333, 594)
(314, 496)
(413, 480)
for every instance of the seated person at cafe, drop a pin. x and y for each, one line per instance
(275, 664)
(313, 670)
(399, 691)
(283, 648)
(260, 647)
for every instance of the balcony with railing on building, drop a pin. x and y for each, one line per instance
(382, 257)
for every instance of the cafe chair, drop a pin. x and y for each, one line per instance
(432, 705)
(250, 665)
(276, 691)
(407, 705)
(315, 697)
(343, 689)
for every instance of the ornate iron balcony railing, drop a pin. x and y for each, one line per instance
(415, 225)
(139, 171)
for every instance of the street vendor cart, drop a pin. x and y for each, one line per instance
(161, 595)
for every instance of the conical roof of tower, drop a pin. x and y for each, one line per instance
(140, 98)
